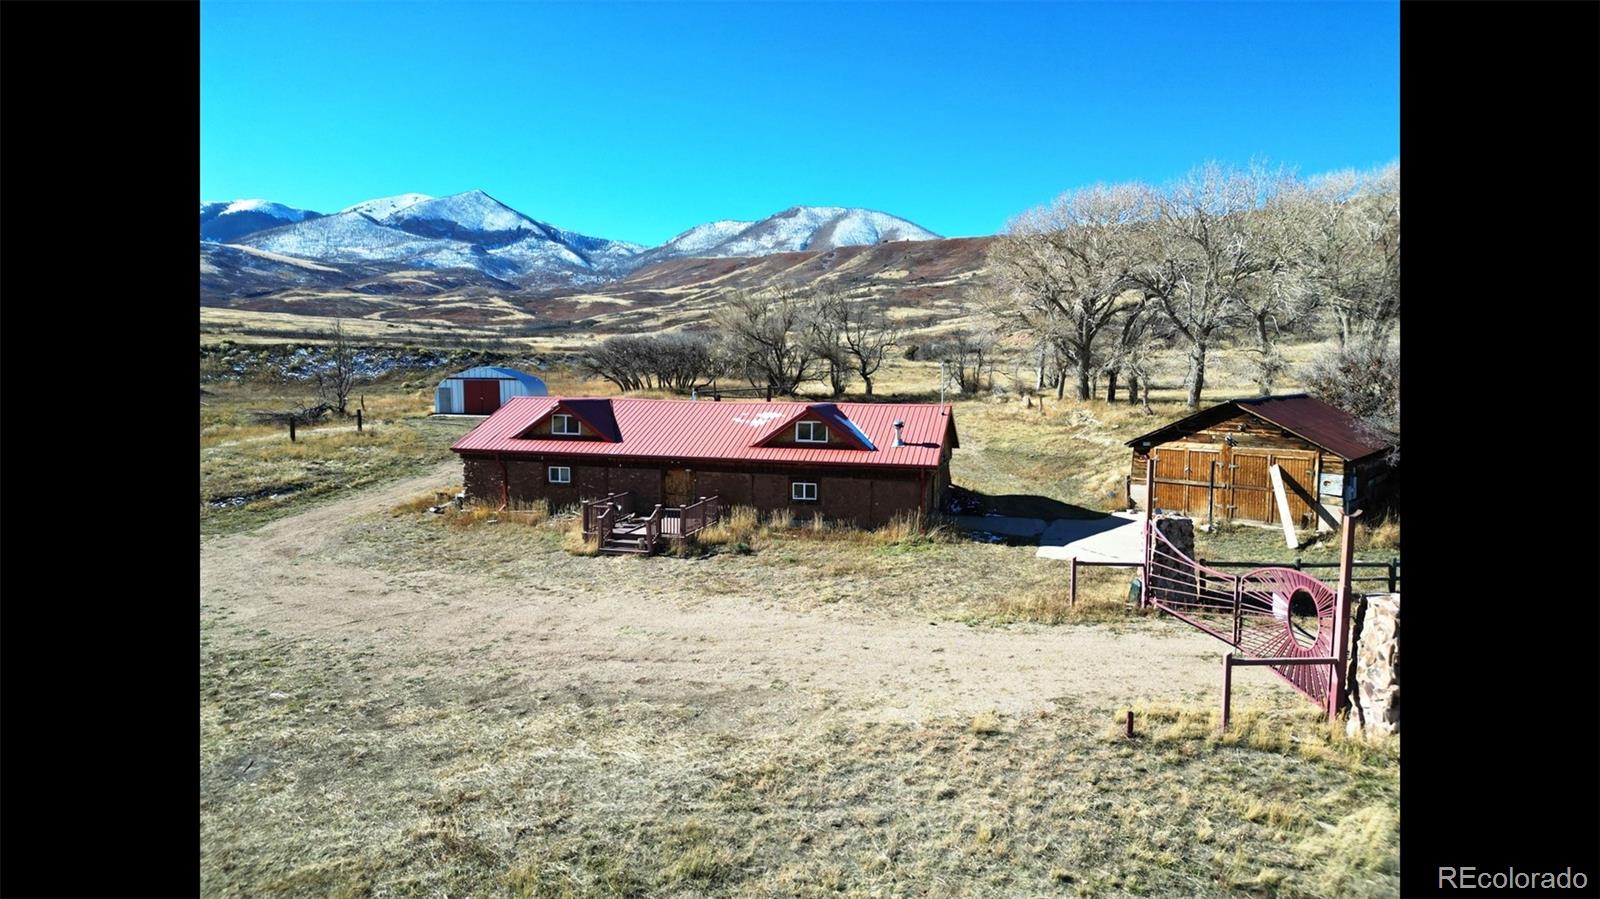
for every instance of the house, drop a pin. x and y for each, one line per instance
(483, 390)
(849, 462)
(1214, 464)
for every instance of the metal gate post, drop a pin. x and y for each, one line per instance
(1149, 520)
(1238, 596)
(1341, 614)
(1227, 689)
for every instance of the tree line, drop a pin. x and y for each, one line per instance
(775, 340)
(1100, 283)
(1106, 276)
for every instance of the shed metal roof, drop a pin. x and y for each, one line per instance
(705, 430)
(496, 373)
(1329, 427)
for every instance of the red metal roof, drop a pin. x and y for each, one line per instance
(706, 430)
(1327, 426)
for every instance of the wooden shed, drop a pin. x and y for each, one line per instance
(1214, 465)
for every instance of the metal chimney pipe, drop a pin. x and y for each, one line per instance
(897, 426)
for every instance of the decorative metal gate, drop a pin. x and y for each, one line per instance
(1268, 613)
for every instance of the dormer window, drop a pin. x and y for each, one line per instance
(565, 424)
(810, 432)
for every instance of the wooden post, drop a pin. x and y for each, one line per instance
(1072, 582)
(1286, 518)
(1211, 495)
(1341, 614)
(1130, 724)
(1393, 564)
(358, 421)
(291, 429)
(1227, 689)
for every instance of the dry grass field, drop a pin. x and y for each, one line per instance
(400, 703)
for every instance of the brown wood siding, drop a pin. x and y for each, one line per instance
(868, 498)
(1243, 486)
(1183, 478)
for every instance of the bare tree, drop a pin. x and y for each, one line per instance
(826, 318)
(1140, 332)
(769, 339)
(335, 374)
(1362, 378)
(1281, 299)
(1351, 249)
(615, 359)
(968, 354)
(677, 362)
(1204, 251)
(1062, 269)
(868, 335)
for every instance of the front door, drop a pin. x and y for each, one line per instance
(483, 397)
(677, 487)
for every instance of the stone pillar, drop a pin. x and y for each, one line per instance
(1165, 582)
(1375, 686)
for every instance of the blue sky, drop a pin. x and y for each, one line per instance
(638, 121)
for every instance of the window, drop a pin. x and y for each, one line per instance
(560, 474)
(811, 432)
(803, 491)
(565, 424)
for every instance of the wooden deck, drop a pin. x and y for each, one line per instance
(620, 530)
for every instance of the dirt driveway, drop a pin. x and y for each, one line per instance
(737, 653)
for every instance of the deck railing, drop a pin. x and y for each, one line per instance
(652, 529)
(603, 523)
(621, 503)
(700, 515)
(601, 518)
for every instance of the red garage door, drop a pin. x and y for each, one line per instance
(483, 397)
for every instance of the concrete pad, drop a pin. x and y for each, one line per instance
(1000, 524)
(1119, 537)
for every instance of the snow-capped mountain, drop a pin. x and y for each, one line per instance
(796, 229)
(472, 230)
(702, 238)
(473, 216)
(383, 206)
(465, 230)
(819, 228)
(226, 220)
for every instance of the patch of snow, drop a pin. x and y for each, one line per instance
(704, 237)
(386, 205)
(758, 420)
(276, 210)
